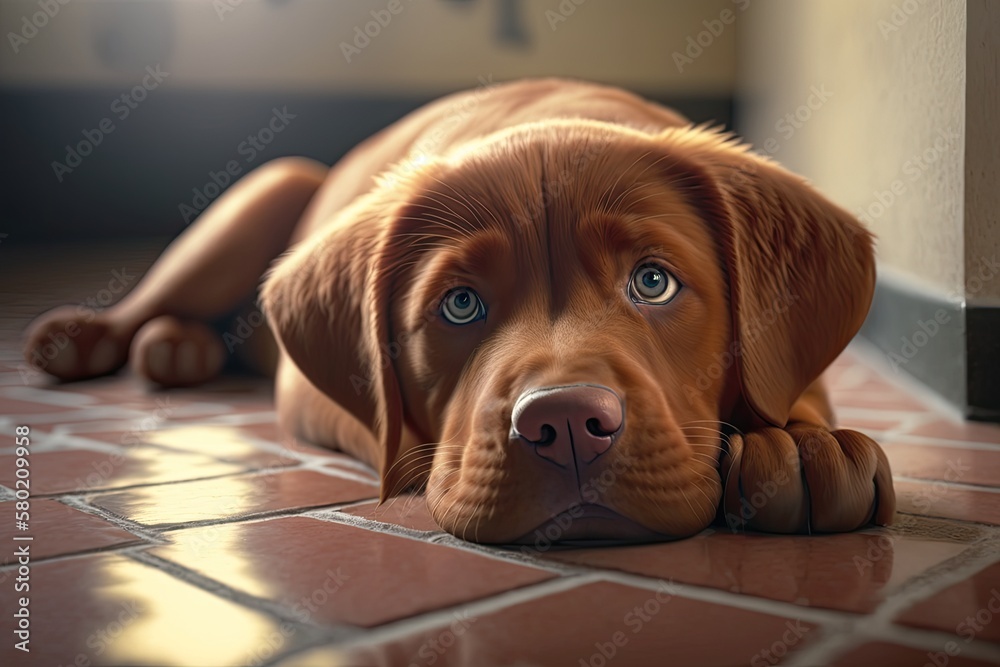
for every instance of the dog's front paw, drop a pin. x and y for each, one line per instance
(804, 478)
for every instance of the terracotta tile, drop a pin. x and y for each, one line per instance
(83, 470)
(267, 431)
(344, 462)
(380, 577)
(942, 500)
(961, 465)
(969, 609)
(57, 529)
(220, 441)
(893, 655)
(595, 624)
(21, 409)
(409, 511)
(876, 398)
(968, 431)
(123, 389)
(231, 497)
(110, 610)
(869, 424)
(849, 572)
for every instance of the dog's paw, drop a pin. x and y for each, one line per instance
(175, 353)
(805, 479)
(75, 344)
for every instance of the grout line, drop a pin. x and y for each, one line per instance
(926, 440)
(332, 471)
(873, 359)
(137, 529)
(244, 518)
(436, 537)
(958, 486)
(118, 489)
(880, 625)
(965, 523)
(474, 609)
(272, 608)
(820, 616)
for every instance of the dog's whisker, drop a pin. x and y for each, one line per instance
(474, 198)
(622, 197)
(607, 193)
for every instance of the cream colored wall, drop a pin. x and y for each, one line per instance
(982, 156)
(427, 46)
(888, 142)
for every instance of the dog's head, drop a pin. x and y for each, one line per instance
(547, 327)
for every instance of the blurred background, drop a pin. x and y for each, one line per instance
(122, 119)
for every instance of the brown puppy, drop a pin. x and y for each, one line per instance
(560, 308)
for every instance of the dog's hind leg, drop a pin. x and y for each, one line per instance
(209, 271)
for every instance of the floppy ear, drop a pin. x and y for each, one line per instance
(801, 270)
(328, 305)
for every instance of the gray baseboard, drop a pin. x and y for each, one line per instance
(951, 348)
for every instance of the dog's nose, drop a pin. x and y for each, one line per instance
(574, 422)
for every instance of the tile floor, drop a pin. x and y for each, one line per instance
(180, 529)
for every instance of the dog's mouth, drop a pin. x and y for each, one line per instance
(588, 525)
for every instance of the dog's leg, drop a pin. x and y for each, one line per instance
(806, 477)
(207, 272)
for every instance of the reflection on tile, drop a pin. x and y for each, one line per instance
(969, 609)
(220, 441)
(876, 396)
(379, 577)
(82, 470)
(868, 424)
(596, 624)
(408, 511)
(952, 464)
(850, 572)
(941, 500)
(213, 499)
(57, 529)
(887, 655)
(110, 610)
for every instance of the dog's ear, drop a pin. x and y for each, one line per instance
(327, 303)
(801, 270)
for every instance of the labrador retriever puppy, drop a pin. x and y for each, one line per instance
(552, 305)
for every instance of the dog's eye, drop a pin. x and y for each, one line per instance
(653, 284)
(462, 306)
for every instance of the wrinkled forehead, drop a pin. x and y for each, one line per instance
(522, 209)
(539, 189)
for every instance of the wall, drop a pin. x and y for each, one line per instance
(888, 141)
(427, 45)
